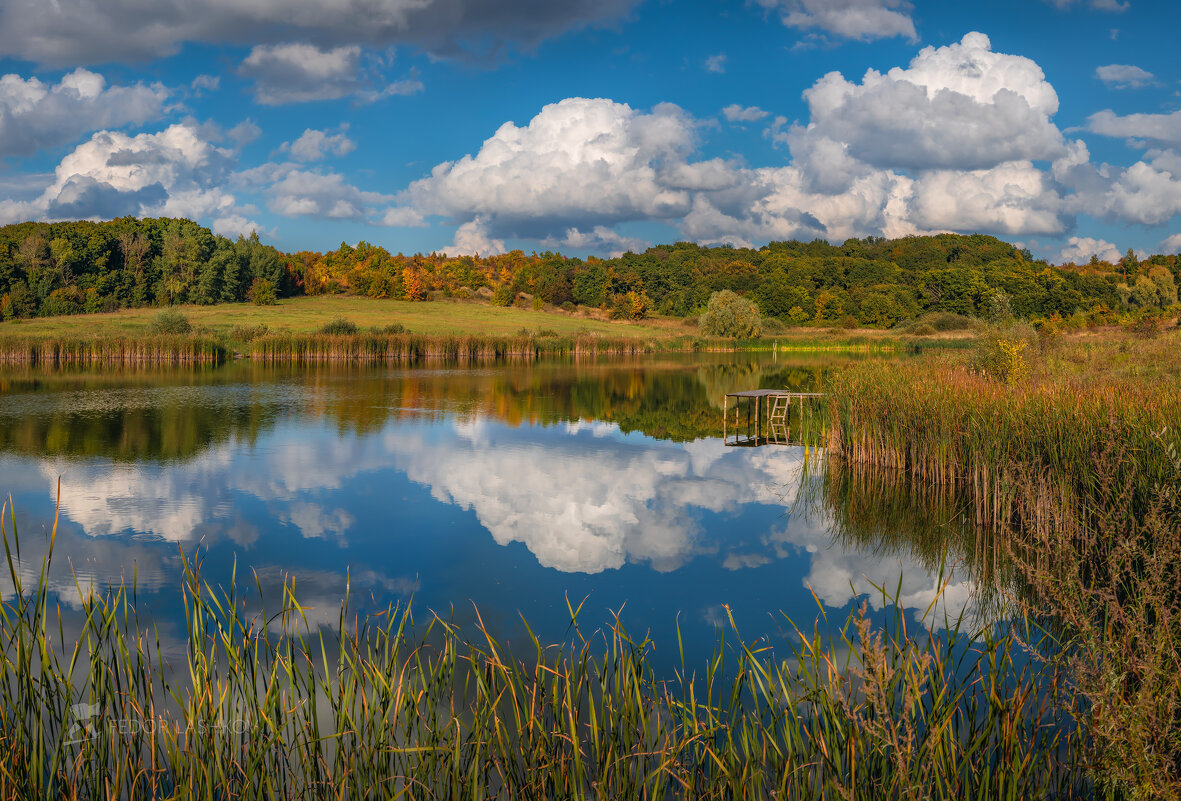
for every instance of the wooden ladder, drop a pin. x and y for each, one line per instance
(777, 419)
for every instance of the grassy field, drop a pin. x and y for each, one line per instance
(304, 315)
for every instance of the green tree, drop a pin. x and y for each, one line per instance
(730, 315)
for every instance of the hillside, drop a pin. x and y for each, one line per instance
(49, 269)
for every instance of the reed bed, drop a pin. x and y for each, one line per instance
(939, 422)
(121, 350)
(404, 348)
(263, 705)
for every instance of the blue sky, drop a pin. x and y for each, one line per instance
(593, 126)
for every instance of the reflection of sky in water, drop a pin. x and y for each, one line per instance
(469, 511)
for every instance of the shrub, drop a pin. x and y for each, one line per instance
(1049, 331)
(262, 292)
(849, 322)
(1145, 325)
(248, 333)
(170, 321)
(773, 325)
(923, 330)
(730, 315)
(568, 306)
(1003, 352)
(340, 326)
(950, 321)
(392, 328)
(67, 300)
(502, 295)
(631, 306)
(538, 303)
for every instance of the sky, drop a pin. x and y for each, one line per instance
(596, 126)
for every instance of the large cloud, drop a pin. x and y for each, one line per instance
(578, 162)
(962, 106)
(35, 115)
(82, 31)
(952, 142)
(177, 172)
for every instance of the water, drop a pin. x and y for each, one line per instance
(513, 489)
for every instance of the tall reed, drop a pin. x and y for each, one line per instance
(153, 349)
(380, 348)
(264, 705)
(939, 422)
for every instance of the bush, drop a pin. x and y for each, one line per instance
(262, 293)
(170, 321)
(568, 306)
(631, 306)
(392, 328)
(730, 315)
(67, 300)
(339, 327)
(923, 330)
(1049, 330)
(1004, 353)
(248, 333)
(1146, 324)
(502, 295)
(773, 325)
(538, 303)
(849, 322)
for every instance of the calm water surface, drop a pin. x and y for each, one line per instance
(508, 488)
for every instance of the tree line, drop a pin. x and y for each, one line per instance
(75, 267)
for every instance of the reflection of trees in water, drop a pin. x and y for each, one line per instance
(165, 414)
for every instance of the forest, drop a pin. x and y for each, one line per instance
(49, 269)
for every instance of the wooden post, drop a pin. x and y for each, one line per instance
(725, 403)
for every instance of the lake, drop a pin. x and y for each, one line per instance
(514, 489)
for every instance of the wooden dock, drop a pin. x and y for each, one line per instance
(763, 406)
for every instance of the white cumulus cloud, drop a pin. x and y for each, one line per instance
(962, 106)
(579, 162)
(473, 238)
(35, 115)
(304, 193)
(1080, 249)
(314, 145)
